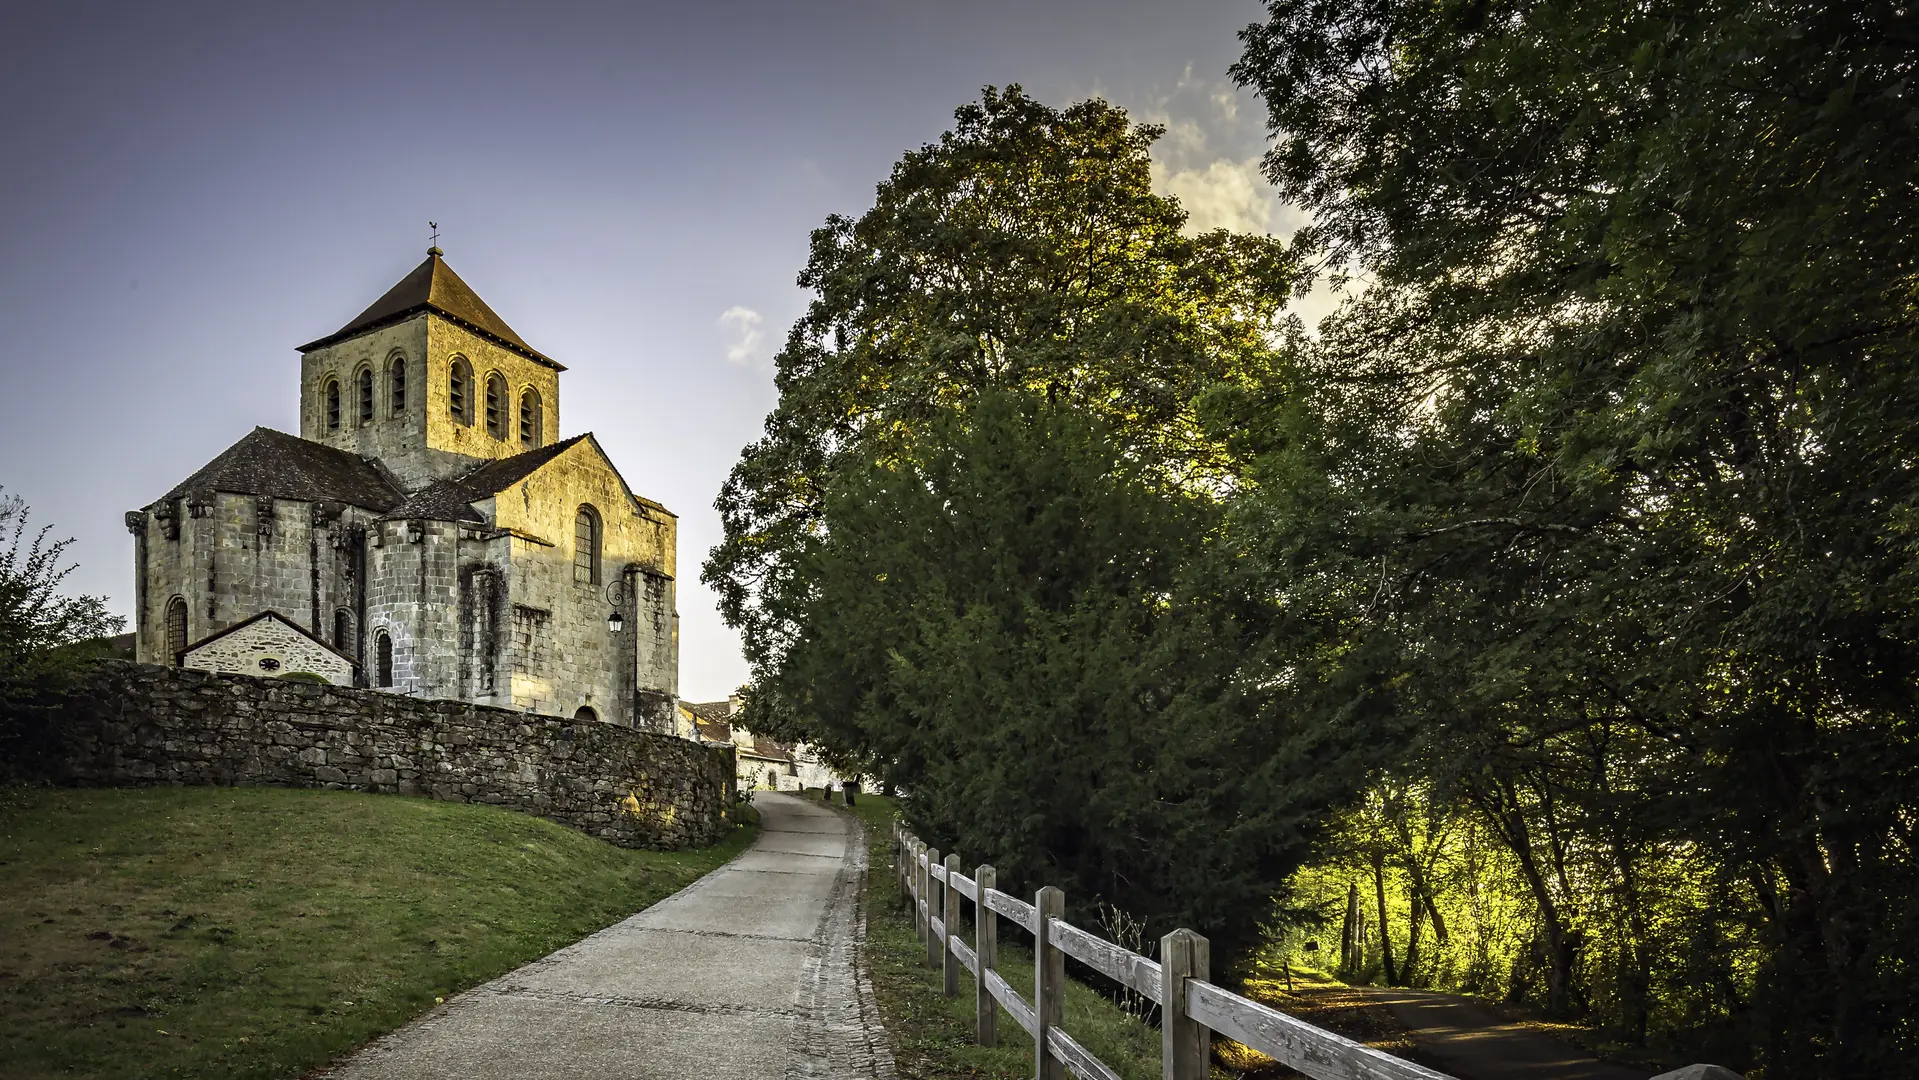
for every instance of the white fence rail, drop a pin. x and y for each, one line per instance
(1191, 1008)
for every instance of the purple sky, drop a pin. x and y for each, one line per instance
(189, 191)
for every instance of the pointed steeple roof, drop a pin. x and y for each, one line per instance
(433, 286)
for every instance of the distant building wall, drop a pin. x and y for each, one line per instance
(142, 724)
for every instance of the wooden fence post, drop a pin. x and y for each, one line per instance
(919, 889)
(986, 948)
(1049, 982)
(905, 861)
(949, 961)
(933, 941)
(1185, 1045)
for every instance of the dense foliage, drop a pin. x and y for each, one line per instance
(1581, 540)
(1624, 434)
(46, 640)
(1016, 625)
(1024, 250)
(971, 554)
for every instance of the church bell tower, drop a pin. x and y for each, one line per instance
(429, 380)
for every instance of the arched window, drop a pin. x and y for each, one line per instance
(176, 629)
(586, 546)
(586, 713)
(343, 632)
(396, 384)
(365, 388)
(383, 648)
(495, 405)
(459, 391)
(532, 424)
(333, 405)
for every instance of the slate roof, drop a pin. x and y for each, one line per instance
(714, 731)
(769, 750)
(439, 501)
(502, 473)
(433, 286)
(715, 712)
(269, 462)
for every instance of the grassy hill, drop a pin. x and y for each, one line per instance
(258, 932)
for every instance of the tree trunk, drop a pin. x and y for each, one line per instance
(1385, 924)
(1349, 931)
(1415, 916)
(1422, 886)
(1501, 806)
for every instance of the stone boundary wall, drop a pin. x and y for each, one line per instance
(143, 724)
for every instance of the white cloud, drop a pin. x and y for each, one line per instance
(742, 325)
(1222, 194)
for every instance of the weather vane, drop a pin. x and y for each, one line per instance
(435, 226)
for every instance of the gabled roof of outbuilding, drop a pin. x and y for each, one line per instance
(269, 462)
(433, 286)
(267, 614)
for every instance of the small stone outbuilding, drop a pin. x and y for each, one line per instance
(271, 645)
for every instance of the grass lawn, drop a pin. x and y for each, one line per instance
(931, 1035)
(259, 932)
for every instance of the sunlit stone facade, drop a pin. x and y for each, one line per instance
(429, 524)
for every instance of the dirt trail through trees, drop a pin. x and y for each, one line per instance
(1472, 1042)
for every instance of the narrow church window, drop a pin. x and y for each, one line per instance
(366, 395)
(332, 405)
(383, 646)
(459, 389)
(495, 405)
(176, 629)
(397, 385)
(586, 546)
(531, 422)
(343, 631)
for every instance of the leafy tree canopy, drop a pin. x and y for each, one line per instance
(1623, 441)
(1025, 249)
(1021, 629)
(45, 640)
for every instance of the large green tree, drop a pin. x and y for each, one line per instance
(1624, 435)
(1026, 250)
(1025, 627)
(973, 552)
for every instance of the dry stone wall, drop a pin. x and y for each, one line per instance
(143, 724)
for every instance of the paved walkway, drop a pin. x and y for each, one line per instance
(751, 971)
(1472, 1042)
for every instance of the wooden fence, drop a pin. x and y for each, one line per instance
(1191, 1008)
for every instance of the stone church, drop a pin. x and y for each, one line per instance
(427, 533)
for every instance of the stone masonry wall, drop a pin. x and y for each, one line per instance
(143, 724)
(270, 648)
